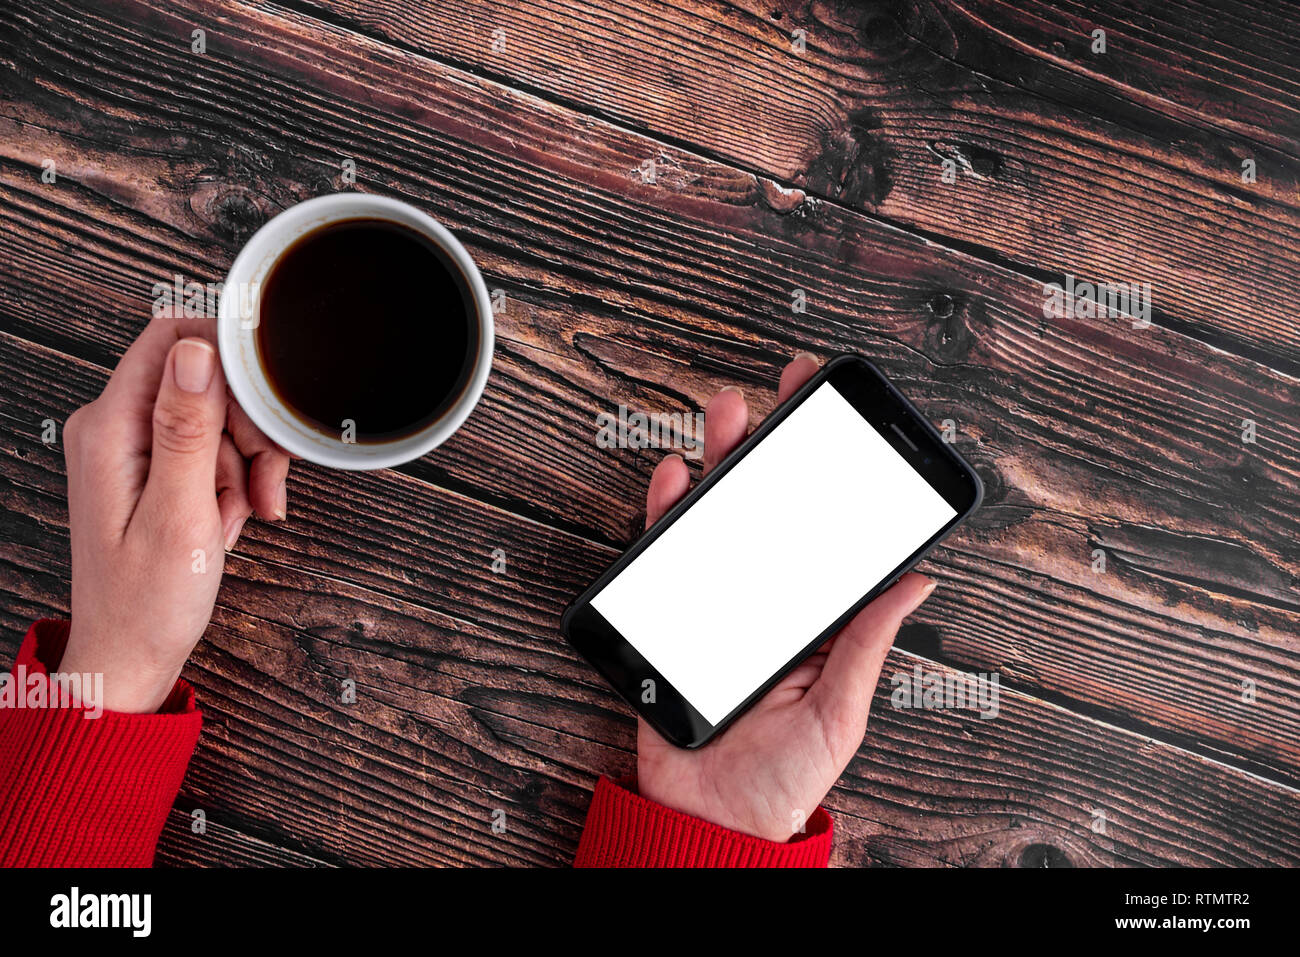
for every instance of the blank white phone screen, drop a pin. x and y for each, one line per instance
(816, 515)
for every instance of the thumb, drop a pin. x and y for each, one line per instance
(852, 670)
(188, 417)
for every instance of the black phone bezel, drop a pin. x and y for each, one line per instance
(883, 406)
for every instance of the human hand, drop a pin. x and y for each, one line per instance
(771, 769)
(163, 470)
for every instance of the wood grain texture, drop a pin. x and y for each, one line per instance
(1089, 435)
(459, 714)
(1065, 161)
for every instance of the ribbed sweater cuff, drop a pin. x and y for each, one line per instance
(626, 830)
(87, 791)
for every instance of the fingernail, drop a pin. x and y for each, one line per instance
(281, 501)
(232, 533)
(194, 364)
(926, 589)
(735, 389)
(808, 355)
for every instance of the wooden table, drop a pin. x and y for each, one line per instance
(649, 187)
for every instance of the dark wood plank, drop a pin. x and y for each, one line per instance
(1056, 428)
(1123, 166)
(219, 846)
(1225, 64)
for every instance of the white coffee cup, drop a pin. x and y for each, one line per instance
(240, 313)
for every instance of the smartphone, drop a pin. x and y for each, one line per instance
(839, 492)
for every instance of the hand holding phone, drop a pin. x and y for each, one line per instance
(778, 759)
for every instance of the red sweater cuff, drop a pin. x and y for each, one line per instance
(85, 791)
(626, 830)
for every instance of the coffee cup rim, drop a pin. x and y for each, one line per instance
(236, 337)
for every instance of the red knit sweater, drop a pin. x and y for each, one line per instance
(95, 791)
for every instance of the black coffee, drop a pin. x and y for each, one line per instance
(367, 321)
